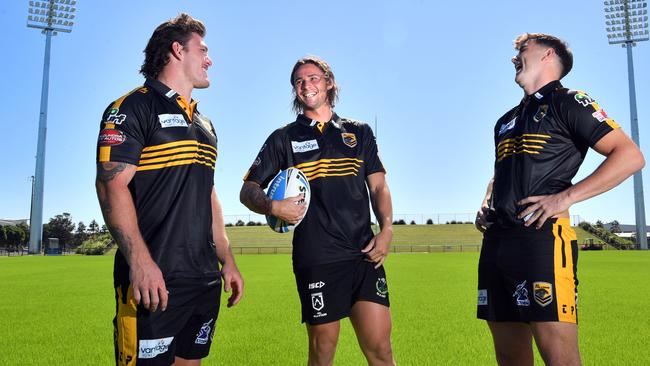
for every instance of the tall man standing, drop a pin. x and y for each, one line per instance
(155, 183)
(336, 258)
(527, 284)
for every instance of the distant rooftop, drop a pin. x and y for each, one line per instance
(7, 222)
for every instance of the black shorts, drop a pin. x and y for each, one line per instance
(525, 274)
(328, 292)
(185, 329)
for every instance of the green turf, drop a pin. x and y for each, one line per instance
(58, 311)
(402, 235)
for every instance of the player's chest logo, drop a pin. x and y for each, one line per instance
(349, 139)
(508, 126)
(541, 113)
(304, 146)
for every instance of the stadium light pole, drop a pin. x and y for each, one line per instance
(50, 17)
(627, 23)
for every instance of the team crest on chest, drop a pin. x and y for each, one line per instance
(541, 113)
(349, 139)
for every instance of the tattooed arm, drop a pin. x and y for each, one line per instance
(288, 209)
(119, 214)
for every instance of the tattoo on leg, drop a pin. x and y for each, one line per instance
(107, 171)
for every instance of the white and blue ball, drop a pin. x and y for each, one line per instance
(288, 183)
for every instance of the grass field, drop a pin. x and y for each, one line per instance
(58, 311)
(403, 235)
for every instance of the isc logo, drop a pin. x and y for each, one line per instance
(318, 284)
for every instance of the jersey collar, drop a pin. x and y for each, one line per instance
(306, 121)
(545, 90)
(172, 96)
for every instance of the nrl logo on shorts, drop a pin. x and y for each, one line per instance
(317, 301)
(543, 293)
(349, 139)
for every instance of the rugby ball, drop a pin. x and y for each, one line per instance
(288, 183)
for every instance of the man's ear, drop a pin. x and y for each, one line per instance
(176, 50)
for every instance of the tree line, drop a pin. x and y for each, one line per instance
(61, 226)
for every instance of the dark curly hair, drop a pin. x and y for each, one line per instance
(179, 29)
(332, 94)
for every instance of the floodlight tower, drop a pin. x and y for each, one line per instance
(51, 17)
(627, 23)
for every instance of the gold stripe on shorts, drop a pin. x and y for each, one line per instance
(126, 329)
(564, 271)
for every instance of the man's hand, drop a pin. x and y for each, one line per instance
(148, 285)
(542, 208)
(291, 209)
(232, 280)
(481, 222)
(377, 249)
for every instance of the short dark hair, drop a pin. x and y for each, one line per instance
(332, 94)
(179, 29)
(560, 47)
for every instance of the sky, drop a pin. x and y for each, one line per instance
(434, 75)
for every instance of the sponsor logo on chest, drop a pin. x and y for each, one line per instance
(304, 146)
(172, 120)
(508, 126)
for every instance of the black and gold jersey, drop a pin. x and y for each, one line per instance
(174, 148)
(540, 144)
(336, 158)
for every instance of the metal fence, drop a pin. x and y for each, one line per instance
(408, 218)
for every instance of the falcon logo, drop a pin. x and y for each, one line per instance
(543, 293)
(541, 113)
(317, 301)
(349, 139)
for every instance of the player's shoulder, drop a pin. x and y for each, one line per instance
(135, 98)
(352, 124)
(566, 97)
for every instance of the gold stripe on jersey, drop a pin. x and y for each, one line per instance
(177, 150)
(330, 168)
(527, 143)
(320, 161)
(564, 271)
(174, 163)
(184, 152)
(104, 154)
(126, 329)
(178, 143)
(118, 102)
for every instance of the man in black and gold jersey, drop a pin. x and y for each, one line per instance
(527, 287)
(156, 155)
(337, 260)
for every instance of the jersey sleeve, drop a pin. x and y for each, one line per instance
(269, 161)
(585, 120)
(123, 132)
(371, 152)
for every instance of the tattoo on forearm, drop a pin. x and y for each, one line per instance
(107, 171)
(123, 240)
(253, 197)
